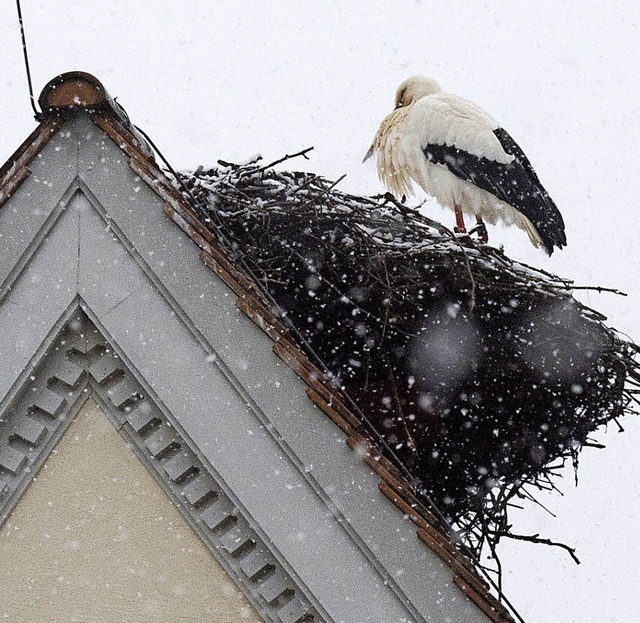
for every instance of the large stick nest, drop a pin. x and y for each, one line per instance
(482, 375)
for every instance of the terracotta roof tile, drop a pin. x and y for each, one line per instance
(16, 169)
(330, 400)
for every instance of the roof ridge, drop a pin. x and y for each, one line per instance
(328, 398)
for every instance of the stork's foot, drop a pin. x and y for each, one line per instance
(388, 197)
(481, 230)
(391, 198)
(459, 230)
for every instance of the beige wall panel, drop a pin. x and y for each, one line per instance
(95, 539)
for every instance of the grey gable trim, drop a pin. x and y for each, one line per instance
(80, 363)
(211, 372)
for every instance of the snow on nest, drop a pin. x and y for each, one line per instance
(480, 373)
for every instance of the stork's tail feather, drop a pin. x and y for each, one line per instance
(551, 228)
(558, 240)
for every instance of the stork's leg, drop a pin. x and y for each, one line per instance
(481, 229)
(459, 228)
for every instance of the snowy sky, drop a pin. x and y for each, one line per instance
(211, 80)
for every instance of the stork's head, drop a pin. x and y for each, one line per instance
(414, 88)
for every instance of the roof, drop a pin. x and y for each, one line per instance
(70, 95)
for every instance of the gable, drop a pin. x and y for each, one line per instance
(95, 537)
(79, 362)
(87, 239)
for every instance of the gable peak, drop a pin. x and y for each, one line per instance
(76, 90)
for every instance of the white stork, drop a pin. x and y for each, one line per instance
(458, 153)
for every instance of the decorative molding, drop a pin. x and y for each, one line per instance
(80, 363)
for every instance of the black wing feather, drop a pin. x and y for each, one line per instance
(515, 183)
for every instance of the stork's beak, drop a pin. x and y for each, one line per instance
(368, 154)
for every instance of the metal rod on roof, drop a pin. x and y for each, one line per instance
(37, 113)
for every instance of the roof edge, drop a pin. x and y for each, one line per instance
(320, 390)
(15, 170)
(329, 399)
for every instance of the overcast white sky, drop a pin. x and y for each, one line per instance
(211, 80)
